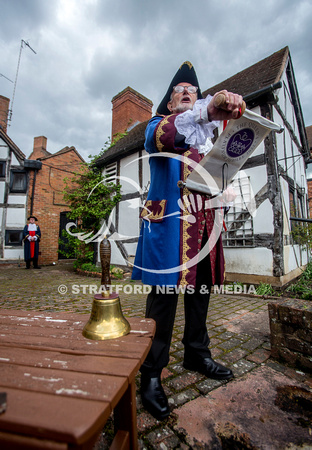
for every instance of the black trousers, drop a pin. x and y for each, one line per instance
(162, 308)
(35, 262)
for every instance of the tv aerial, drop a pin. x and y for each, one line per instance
(1, 75)
(23, 43)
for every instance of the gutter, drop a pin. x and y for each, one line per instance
(265, 90)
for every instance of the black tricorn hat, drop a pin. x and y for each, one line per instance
(187, 74)
(33, 218)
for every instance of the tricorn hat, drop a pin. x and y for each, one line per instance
(187, 74)
(33, 218)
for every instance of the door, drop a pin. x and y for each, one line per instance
(65, 249)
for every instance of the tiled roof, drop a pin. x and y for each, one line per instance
(18, 153)
(258, 76)
(60, 152)
(264, 73)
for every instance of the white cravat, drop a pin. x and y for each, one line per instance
(195, 126)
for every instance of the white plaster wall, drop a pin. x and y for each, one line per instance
(131, 248)
(280, 138)
(291, 258)
(17, 199)
(128, 226)
(129, 211)
(258, 177)
(129, 168)
(280, 92)
(14, 160)
(3, 149)
(15, 217)
(263, 220)
(116, 255)
(14, 253)
(275, 115)
(2, 186)
(285, 203)
(146, 171)
(251, 261)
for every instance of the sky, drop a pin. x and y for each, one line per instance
(87, 51)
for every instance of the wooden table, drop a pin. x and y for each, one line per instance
(61, 387)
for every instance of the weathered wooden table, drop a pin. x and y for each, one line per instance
(61, 387)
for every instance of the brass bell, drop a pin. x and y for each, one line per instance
(106, 320)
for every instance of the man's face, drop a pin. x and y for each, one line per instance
(31, 220)
(183, 101)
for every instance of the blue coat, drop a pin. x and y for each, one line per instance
(166, 242)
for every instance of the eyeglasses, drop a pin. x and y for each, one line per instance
(190, 89)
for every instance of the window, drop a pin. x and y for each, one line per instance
(238, 220)
(13, 237)
(2, 169)
(18, 181)
(110, 173)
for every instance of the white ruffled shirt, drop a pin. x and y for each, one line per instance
(195, 126)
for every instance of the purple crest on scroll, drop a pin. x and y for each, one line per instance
(240, 142)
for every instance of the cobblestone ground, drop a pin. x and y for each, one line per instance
(238, 327)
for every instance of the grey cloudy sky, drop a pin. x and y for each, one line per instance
(89, 50)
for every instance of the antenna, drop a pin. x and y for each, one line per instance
(17, 70)
(1, 75)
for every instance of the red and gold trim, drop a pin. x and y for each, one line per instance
(165, 133)
(188, 229)
(154, 210)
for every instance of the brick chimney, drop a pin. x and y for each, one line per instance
(129, 107)
(40, 148)
(4, 112)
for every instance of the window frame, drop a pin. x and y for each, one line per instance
(2, 169)
(22, 190)
(13, 244)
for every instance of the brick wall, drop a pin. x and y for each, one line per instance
(129, 107)
(48, 200)
(291, 332)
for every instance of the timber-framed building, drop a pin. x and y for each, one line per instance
(258, 246)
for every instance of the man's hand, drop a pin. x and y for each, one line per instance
(231, 109)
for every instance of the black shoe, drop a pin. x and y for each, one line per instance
(210, 368)
(153, 397)
(37, 267)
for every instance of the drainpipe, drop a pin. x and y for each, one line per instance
(33, 165)
(33, 193)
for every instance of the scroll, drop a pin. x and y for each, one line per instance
(233, 147)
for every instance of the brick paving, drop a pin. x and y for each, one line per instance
(238, 327)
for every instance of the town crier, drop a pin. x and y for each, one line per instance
(176, 227)
(31, 238)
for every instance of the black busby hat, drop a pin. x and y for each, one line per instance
(186, 74)
(33, 218)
